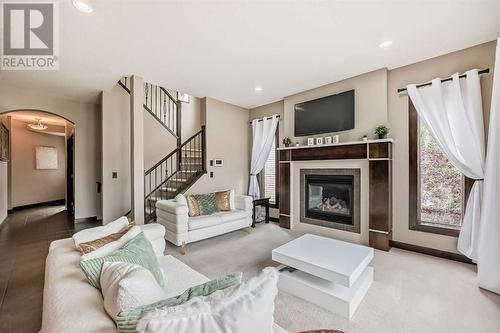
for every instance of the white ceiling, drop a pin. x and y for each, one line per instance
(224, 49)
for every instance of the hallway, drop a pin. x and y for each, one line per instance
(25, 237)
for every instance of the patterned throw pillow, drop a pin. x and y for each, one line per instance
(127, 319)
(93, 245)
(223, 200)
(136, 251)
(194, 209)
(207, 203)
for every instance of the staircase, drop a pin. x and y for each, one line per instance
(183, 166)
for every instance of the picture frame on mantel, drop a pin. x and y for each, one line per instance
(310, 141)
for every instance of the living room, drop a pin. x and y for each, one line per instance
(309, 169)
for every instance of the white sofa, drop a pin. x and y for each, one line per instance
(183, 229)
(71, 304)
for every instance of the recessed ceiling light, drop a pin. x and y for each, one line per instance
(258, 89)
(82, 6)
(385, 44)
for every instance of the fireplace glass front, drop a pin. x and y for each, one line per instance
(330, 198)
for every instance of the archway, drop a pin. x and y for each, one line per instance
(41, 159)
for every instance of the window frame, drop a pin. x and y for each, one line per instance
(414, 184)
(277, 175)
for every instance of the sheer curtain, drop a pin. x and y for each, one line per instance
(453, 113)
(489, 246)
(263, 132)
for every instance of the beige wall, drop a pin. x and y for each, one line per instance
(481, 56)
(87, 149)
(115, 153)
(227, 138)
(158, 141)
(191, 118)
(29, 185)
(370, 103)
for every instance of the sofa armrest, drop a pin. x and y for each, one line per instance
(243, 202)
(173, 207)
(155, 233)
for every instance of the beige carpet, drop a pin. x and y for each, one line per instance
(411, 292)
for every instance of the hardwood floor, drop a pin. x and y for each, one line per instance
(25, 237)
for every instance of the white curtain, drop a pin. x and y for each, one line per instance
(489, 246)
(453, 113)
(263, 132)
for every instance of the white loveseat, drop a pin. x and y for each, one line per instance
(183, 229)
(71, 304)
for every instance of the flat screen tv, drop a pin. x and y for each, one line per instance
(325, 115)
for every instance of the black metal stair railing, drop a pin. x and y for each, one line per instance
(174, 173)
(160, 103)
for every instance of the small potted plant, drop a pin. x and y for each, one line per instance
(382, 131)
(287, 141)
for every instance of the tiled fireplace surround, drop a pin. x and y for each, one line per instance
(373, 159)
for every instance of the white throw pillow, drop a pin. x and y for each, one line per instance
(181, 199)
(248, 308)
(126, 285)
(232, 205)
(91, 234)
(112, 246)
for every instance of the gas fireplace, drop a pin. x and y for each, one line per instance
(330, 198)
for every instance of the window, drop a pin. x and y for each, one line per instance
(438, 190)
(269, 176)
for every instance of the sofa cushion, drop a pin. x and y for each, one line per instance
(93, 245)
(245, 309)
(200, 222)
(127, 319)
(207, 203)
(126, 285)
(99, 232)
(234, 215)
(193, 207)
(223, 200)
(137, 251)
(113, 246)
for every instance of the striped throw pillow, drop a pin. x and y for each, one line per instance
(93, 245)
(127, 319)
(136, 251)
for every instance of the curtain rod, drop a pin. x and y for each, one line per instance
(482, 71)
(277, 116)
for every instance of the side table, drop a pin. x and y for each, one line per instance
(260, 202)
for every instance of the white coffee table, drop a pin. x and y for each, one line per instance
(330, 273)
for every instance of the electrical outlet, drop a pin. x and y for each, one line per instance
(211, 174)
(114, 174)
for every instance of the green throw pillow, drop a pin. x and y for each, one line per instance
(127, 319)
(138, 251)
(207, 203)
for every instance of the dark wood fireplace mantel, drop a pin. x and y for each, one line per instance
(379, 155)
